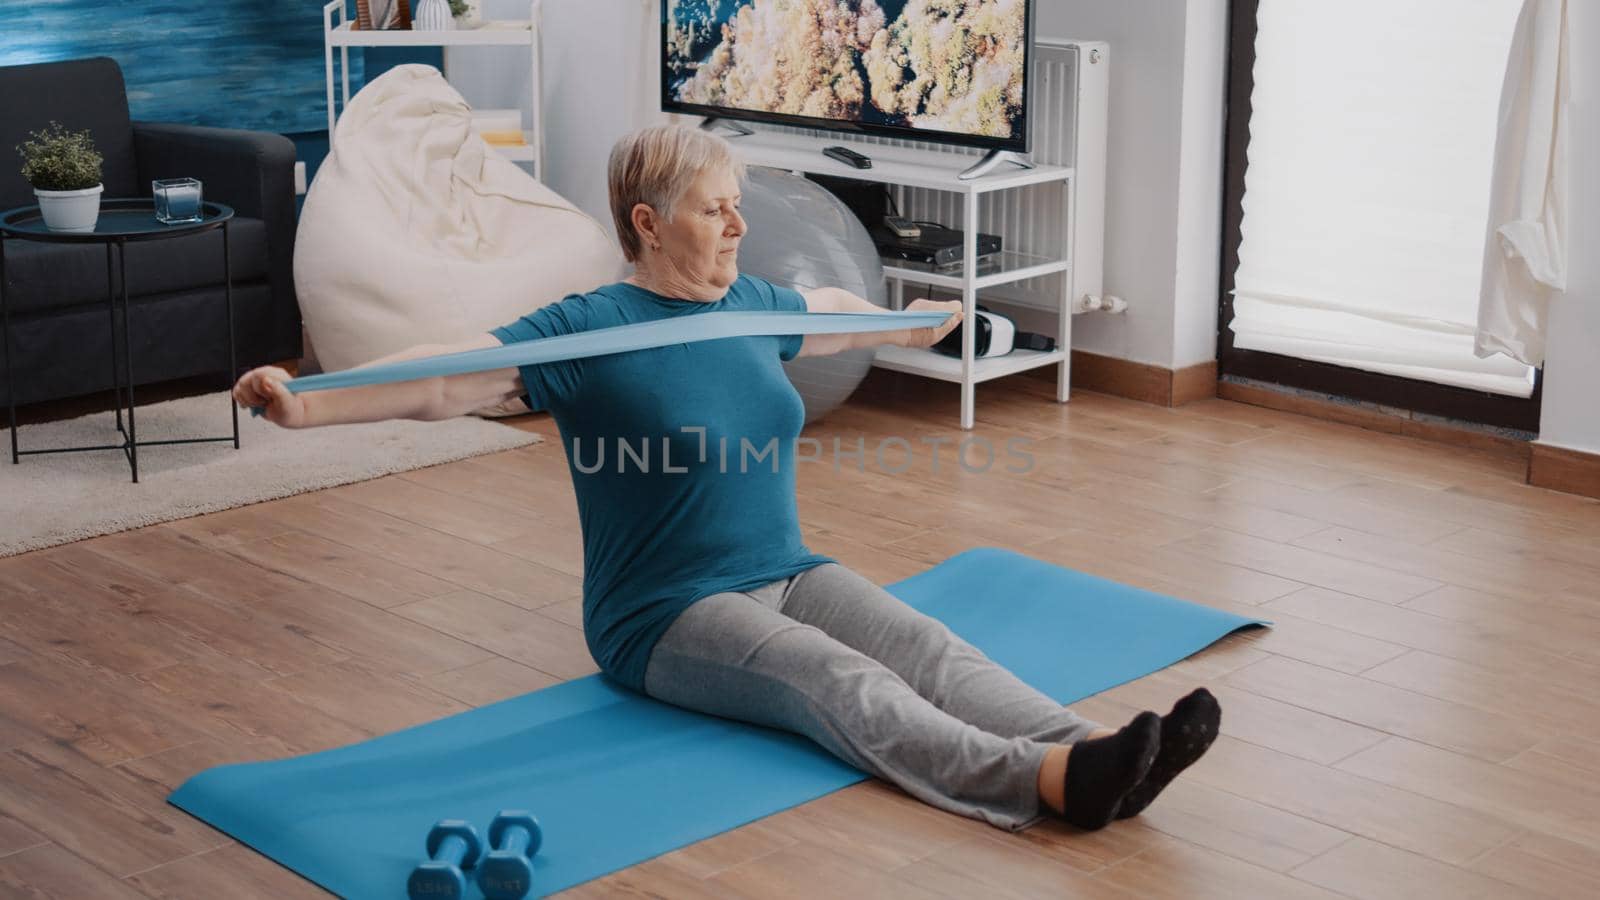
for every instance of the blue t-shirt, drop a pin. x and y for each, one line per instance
(671, 513)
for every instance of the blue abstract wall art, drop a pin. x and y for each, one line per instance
(232, 63)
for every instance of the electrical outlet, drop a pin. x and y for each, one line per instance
(299, 177)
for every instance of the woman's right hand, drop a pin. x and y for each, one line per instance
(263, 387)
(927, 337)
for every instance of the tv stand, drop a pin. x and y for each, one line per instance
(732, 125)
(1052, 189)
(991, 160)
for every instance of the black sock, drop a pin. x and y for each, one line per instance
(1186, 734)
(1101, 771)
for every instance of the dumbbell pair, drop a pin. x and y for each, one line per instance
(506, 872)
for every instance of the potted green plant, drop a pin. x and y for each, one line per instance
(466, 12)
(64, 169)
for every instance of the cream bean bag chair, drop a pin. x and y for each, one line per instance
(417, 232)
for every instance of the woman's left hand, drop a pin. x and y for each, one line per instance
(927, 337)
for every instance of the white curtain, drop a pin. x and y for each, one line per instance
(1372, 136)
(1525, 256)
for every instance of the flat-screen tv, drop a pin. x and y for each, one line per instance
(952, 71)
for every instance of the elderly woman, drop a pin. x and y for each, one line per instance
(698, 589)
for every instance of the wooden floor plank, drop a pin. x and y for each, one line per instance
(231, 706)
(1465, 508)
(1507, 573)
(381, 637)
(1542, 699)
(87, 810)
(103, 715)
(1501, 648)
(1331, 509)
(376, 702)
(460, 562)
(1190, 576)
(51, 871)
(1067, 459)
(806, 870)
(528, 637)
(15, 836)
(1559, 806)
(364, 576)
(490, 681)
(1304, 562)
(1444, 831)
(1548, 865)
(231, 871)
(1390, 709)
(1243, 829)
(1204, 874)
(1213, 508)
(985, 866)
(1562, 755)
(1372, 871)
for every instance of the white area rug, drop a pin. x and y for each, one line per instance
(60, 497)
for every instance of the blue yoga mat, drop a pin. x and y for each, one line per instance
(616, 778)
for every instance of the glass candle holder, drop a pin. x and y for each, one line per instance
(177, 200)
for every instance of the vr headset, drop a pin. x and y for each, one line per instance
(996, 336)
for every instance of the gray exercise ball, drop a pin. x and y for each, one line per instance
(802, 237)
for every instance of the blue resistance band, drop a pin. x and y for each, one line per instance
(618, 339)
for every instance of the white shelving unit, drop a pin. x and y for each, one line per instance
(912, 167)
(338, 31)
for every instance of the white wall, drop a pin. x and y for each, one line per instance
(1144, 124)
(1164, 175)
(1199, 262)
(1570, 414)
(600, 75)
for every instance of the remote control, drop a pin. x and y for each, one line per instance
(902, 227)
(848, 157)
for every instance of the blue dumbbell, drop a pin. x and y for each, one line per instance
(453, 845)
(507, 872)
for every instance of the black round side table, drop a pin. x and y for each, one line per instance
(121, 222)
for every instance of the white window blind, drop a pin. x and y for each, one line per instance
(1372, 131)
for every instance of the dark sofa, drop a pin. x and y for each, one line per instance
(56, 293)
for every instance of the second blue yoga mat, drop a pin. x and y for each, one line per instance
(616, 778)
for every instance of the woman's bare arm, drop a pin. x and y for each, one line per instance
(425, 399)
(840, 300)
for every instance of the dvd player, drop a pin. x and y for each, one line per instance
(935, 246)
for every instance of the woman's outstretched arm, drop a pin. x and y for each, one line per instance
(840, 300)
(424, 398)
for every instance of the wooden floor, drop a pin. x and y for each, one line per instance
(1423, 719)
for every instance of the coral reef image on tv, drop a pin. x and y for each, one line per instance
(952, 66)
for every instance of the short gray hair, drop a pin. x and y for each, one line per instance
(655, 166)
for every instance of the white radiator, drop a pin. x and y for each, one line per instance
(1067, 121)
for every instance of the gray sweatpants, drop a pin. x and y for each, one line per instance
(832, 656)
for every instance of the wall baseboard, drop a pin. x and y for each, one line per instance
(1397, 422)
(1196, 382)
(1560, 469)
(1138, 381)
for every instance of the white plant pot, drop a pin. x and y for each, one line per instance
(432, 15)
(73, 211)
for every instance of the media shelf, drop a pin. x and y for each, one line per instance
(486, 34)
(915, 167)
(1008, 266)
(338, 32)
(948, 368)
(891, 164)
